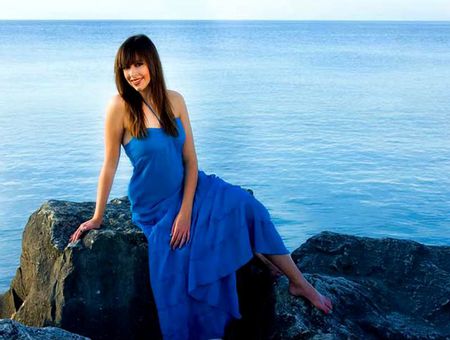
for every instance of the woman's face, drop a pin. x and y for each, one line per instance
(137, 75)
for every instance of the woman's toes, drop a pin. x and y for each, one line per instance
(328, 305)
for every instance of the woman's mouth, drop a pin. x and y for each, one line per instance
(136, 81)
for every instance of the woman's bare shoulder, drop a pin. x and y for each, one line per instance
(117, 108)
(117, 103)
(173, 94)
(177, 101)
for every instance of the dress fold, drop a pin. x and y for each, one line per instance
(194, 286)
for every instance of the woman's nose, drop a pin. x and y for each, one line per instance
(133, 70)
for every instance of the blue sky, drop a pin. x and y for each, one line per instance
(228, 9)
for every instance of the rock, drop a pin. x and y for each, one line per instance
(99, 287)
(10, 329)
(380, 288)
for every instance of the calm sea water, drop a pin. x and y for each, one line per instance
(340, 126)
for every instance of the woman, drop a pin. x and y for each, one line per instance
(200, 229)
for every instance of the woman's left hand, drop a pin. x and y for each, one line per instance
(180, 229)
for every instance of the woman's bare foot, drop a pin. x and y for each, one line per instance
(298, 285)
(309, 292)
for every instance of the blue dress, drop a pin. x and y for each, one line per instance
(194, 286)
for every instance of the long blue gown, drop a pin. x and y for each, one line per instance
(194, 286)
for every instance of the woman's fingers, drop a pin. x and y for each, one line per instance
(178, 240)
(329, 303)
(76, 235)
(183, 241)
(73, 237)
(173, 226)
(174, 240)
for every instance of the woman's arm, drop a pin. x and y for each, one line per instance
(189, 156)
(113, 138)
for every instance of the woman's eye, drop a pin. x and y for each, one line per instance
(138, 64)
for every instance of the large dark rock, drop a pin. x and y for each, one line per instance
(14, 330)
(97, 287)
(381, 289)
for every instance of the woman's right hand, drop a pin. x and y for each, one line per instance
(85, 226)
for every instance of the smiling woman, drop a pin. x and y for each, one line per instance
(200, 229)
(137, 75)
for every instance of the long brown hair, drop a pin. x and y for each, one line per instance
(141, 47)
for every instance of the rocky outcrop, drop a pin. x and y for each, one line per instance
(10, 329)
(381, 289)
(93, 287)
(99, 287)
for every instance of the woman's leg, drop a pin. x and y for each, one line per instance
(298, 285)
(274, 270)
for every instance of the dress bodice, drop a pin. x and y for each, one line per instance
(158, 170)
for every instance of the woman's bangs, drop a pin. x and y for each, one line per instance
(128, 57)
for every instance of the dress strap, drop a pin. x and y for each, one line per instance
(153, 112)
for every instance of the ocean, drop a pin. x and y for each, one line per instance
(335, 125)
